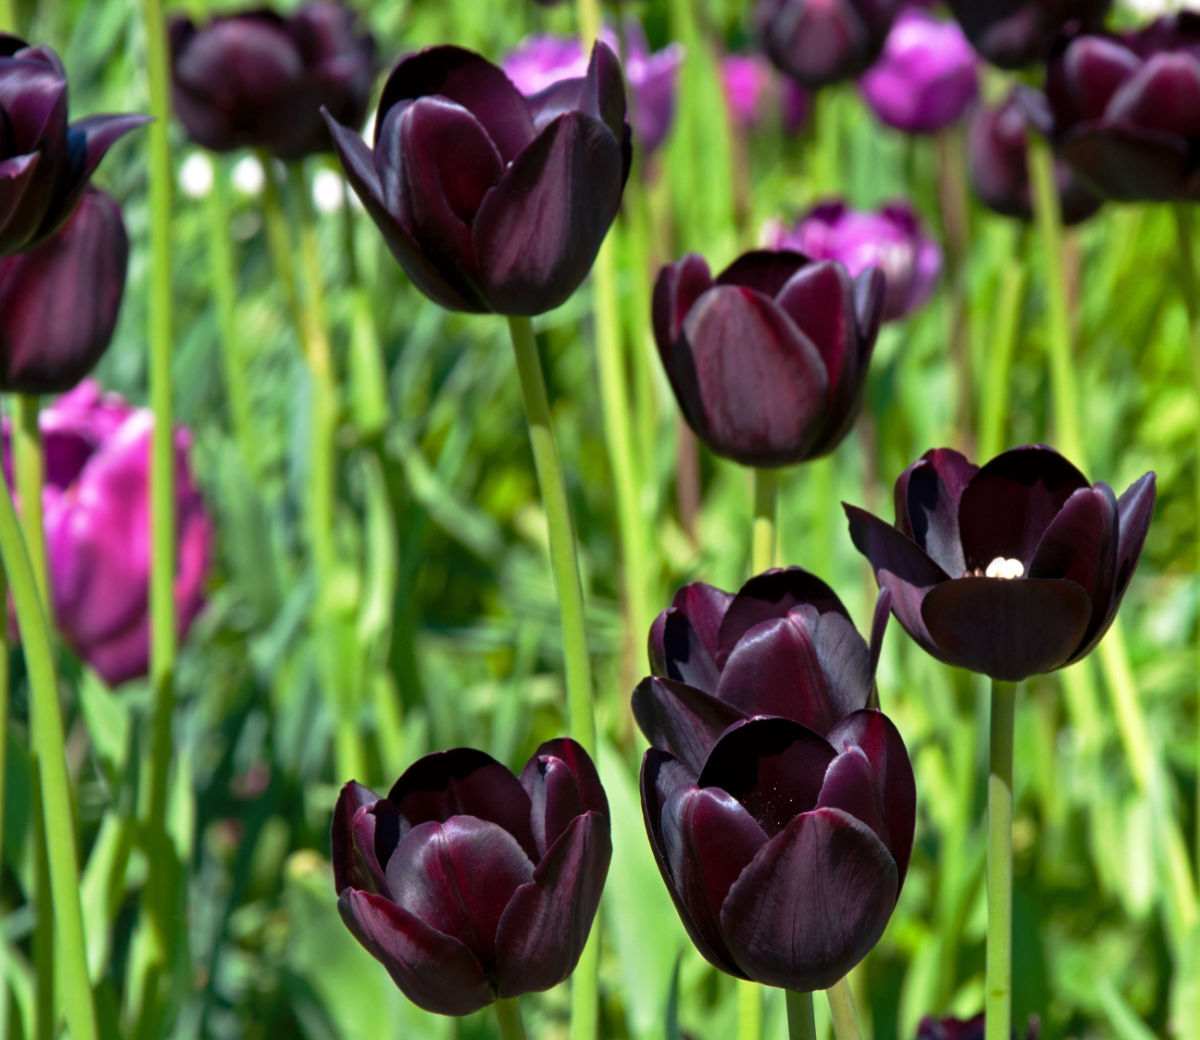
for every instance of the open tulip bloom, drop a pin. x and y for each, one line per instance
(489, 200)
(469, 884)
(780, 807)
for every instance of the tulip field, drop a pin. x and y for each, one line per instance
(565, 520)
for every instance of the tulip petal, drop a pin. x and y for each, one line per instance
(870, 292)
(1093, 69)
(873, 733)
(540, 228)
(901, 567)
(1128, 163)
(545, 926)
(765, 270)
(681, 719)
(773, 766)
(435, 971)
(850, 786)
(33, 98)
(677, 288)
(773, 594)
(352, 866)
(1164, 94)
(1135, 507)
(819, 298)
(662, 780)
(562, 783)
(458, 877)
(99, 133)
(684, 638)
(1010, 502)
(464, 782)
(16, 175)
(811, 903)
(820, 43)
(1008, 629)
(879, 623)
(927, 496)
(469, 80)
(603, 92)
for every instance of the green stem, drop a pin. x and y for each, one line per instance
(801, 1023)
(749, 1010)
(956, 209)
(841, 1008)
(637, 224)
(588, 14)
(45, 1024)
(508, 1016)
(30, 470)
(766, 502)
(279, 242)
(994, 406)
(998, 995)
(48, 748)
(369, 402)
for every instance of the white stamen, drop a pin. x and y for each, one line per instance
(1002, 567)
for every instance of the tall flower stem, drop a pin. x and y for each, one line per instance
(161, 904)
(564, 564)
(955, 207)
(994, 405)
(30, 471)
(841, 1008)
(801, 1024)
(763, 535)
(998, 990)
(508, 1016)
(749, 1010)
(58, 819)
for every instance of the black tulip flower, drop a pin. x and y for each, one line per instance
(1012, 569)
(823, 41)
(964, 1028)
(1124, 111)
(489, 200)
(1015, 33)
(768, 360)
(59, 300)
(780, 808)
(997, 152)
(256, 79)
(469, 884)
(45, 163)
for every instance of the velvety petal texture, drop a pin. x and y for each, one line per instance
(97, 516)
(490, 200)
(818, 42)
(768, 360)
(780, 809)
(468, 883)
(1012, 569)
(255, 79)
(45, 162)
(1015, 33)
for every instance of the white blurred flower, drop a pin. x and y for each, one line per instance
(196, 175)
(248, 176)
(328, 194)
(1154, 8)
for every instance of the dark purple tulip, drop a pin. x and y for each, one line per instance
(780, 808)
(469, 884)
(1124, 111)
(45, 164)
(963, 1028)
(97, 515)
(891, 239)
(255, 79)
(768, 361)
(823, 41)
(489, 200)
(997, 152)
(542, 61)
(926, 76)
(59, 300)
(1015, 33)
(1012, 569)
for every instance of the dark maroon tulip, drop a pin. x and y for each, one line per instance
(1124, 111)
(469, 884)
(823, 41)
(780, 808)
(255, 79)
(489, 200)
(59, 300)
(1015, 33)
(768, 360)
(1012, 569)
(45, 164)
(963, 1028)
(997, 150)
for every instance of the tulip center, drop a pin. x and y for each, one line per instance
(1001, 567)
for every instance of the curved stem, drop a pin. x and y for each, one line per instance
(998, 995)
(508, 1016)
(766, 500)
(841, 1008)
(58, 817)
(801, 1024)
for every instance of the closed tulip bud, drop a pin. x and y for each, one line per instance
(964, 1029)
(1015, 33)
(469, 884)
(780, 808)
(97, 516)
(256, 79)
(1124, 111)
(823, 41)
(1012, 569)
(997, 154)
(59, 300)
(491, 201)
(926, 77)
(45, 163)
(768, 360)
(891, 239)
